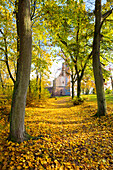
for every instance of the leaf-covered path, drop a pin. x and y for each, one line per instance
(69, 138)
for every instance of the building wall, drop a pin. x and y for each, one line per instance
(62, 83)
(60, 91)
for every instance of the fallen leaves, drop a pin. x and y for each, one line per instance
(70, 139)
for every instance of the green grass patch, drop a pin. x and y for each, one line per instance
(109, 98)
(93, 98)
(90, 97)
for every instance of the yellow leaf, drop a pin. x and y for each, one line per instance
(19, 167)
(12, 167)
(77, 168)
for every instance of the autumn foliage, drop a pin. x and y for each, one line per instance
(68, 137)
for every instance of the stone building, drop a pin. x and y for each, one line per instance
(61, 84)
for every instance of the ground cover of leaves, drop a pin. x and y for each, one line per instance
(69, 138)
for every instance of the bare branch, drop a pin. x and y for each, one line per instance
(34, 9)
(2, 60)
(104, 16)
(6, 56)
(111, 20)
(11, 2)
(1, 32)
(83, 69)
(2, 49)
(63, 42)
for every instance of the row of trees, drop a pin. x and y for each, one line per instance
(17, 28)
(71, 27)
(41, 57)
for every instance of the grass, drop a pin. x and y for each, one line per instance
(93, 98)
(109, 98)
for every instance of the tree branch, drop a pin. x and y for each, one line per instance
(104, 16)
(6, 56)
(34, 9)
(65, 58)
(2, 49)
(62, 41)
(111, 20)
(3, 60)
(89, 56)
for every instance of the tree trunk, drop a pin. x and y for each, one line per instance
(17, 130)
(73, 82)
(2, 83)
(29, 89)
(112, 83)
(54, 87)
(78, 87)
(36, 80)
(96, 62)
(40, 88)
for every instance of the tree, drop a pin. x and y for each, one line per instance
(71, 70)
(8, 53)
(99, 81)
(17, 130)
(1, 81)
(76, 49)
(70, 29)
(24, 41)
(87, 84)
(41, 63)
(112, 83)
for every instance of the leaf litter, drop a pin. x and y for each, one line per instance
(69, 138)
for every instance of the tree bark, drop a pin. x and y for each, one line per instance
(112, 83)
(54, 87)
(2, 83)
(36, 80)
(17, 129)
(6, 56)
(73, 82)
(29, 89)
(40, 86)
(96, 62)
(78, 87)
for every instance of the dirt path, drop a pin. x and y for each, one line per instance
(60, 113)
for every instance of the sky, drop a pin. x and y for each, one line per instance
(56, 69)
(91, 4)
